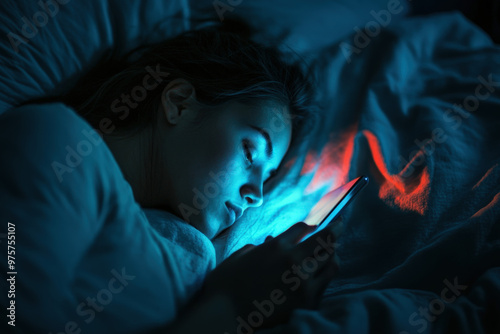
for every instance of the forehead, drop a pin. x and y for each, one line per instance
(272, 117)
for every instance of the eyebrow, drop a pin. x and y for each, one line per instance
(269, 144)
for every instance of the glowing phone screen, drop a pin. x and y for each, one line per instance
(333, 202)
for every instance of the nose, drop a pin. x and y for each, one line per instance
(254, 200)
(252, 193)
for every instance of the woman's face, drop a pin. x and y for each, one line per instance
(213, 171)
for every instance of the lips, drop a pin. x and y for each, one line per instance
(235, 212)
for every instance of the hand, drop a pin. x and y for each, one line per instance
(267, 282)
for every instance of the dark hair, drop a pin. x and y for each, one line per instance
(220, 61)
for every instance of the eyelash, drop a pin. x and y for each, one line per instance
(249, 159)
(248, 154)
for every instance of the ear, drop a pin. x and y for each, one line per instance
(178, 100)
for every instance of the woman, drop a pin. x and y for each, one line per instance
(211, 102)
(207, 98)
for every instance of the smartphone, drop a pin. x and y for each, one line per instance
(330, 205)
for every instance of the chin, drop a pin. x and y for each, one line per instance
(204, 225)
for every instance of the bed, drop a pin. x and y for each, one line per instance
(410, 101)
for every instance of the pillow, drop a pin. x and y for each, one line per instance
(306, 26)
(50, 44)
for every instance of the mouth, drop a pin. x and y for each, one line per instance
(234, 212)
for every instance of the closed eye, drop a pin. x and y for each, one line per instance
(247, 150)
(248, 154)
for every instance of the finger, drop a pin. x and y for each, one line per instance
(321, 247)
(330, 263)
(243, 250)
(337, 226)
(268, 238)
(319, 243)
(247, 248)
(295, 233)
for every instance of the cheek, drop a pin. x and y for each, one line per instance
(218, 156)
(223, 146)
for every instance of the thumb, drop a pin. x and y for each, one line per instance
(296, 233)
(268, 238)
(243, 250)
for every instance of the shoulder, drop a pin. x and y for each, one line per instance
(51, 136)
(38, 109)
(56, 162)
(40, 128)
(51, 142)
(36, 119)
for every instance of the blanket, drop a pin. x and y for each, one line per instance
(414, 107)
(77, 240)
